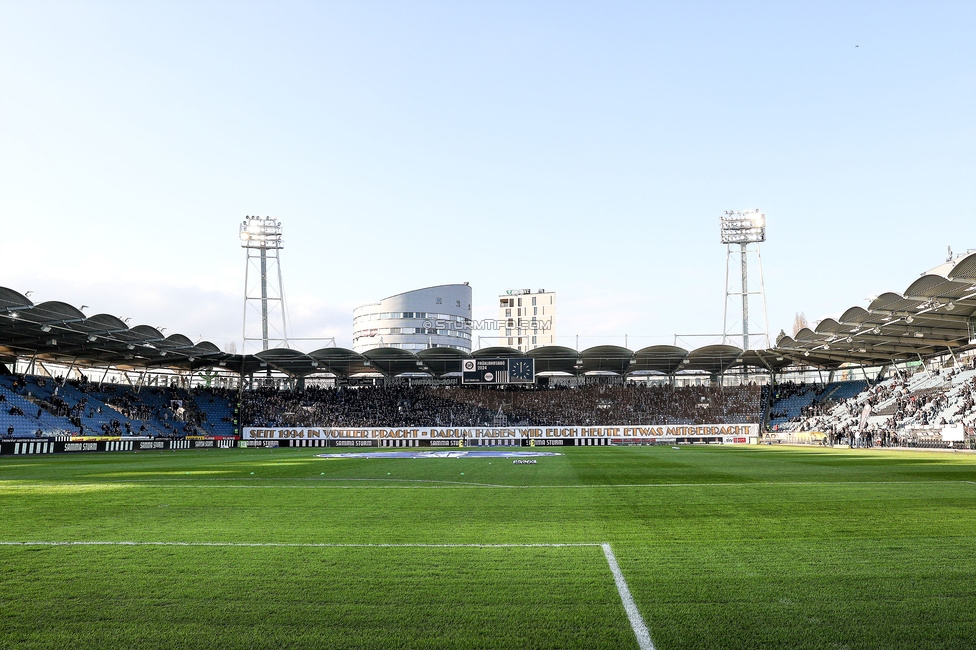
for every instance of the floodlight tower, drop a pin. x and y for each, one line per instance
(261, 240)
(748, 230)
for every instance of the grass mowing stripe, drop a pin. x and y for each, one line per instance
(309, 598)
(636, 621)
(630, 607)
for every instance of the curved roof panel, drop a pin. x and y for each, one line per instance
(180, 341)
(607, 358)
(206, 347)
(936, 286)
(765, 359)
(665, 359)
(555, 358)
(106, 323)
(713, 359)
(442, 361)
(496, 353)
(394, 361)
(829, 326)
(244, 364)
(964, 269)
(890, 302)
(53, 311)
(288, 361)
(148, 332)
(805, 334)
(342, 362)
(10, 300)
(855, 315)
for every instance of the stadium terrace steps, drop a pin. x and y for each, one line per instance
(34, 393)
(26, 425)
(793, 405)
(216, 409)
(839, 391)
(98, 412)
(940, 398)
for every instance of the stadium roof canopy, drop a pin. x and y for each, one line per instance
(56, 331)
(932, 317)
(60, 333)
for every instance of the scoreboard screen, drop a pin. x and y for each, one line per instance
(498, 371)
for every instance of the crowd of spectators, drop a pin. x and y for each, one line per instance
(907, 413)
(789, 389)
(433, 406)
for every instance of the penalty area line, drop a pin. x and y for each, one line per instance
(633, 614)
(262, 483)
(292, 544)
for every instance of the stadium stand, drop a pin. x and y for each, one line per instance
(795, 402)
(424, 406)
(24, 413)
(31, 406)
(52, 406)
(903, 409)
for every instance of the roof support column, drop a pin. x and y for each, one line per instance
(922, 361)
(44, 368)
(140, 380)
(955, 361)
(865, 374)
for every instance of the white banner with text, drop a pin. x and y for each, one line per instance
(731, 433)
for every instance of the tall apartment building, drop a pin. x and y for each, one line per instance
(527, 319)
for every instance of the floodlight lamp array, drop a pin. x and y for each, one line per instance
(743, 227)
(261, 232)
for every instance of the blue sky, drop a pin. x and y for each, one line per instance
(583, 148)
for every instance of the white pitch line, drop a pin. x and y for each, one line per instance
(295, 544)
(421, 484)
(636, 621)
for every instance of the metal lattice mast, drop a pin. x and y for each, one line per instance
(261, 241)
(748, 230)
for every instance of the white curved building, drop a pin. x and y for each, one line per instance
(434, 317)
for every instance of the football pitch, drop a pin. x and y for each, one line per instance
(710, 547)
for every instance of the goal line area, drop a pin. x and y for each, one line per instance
(637, 624)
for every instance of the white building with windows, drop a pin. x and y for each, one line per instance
(527, 319)
(434, 317)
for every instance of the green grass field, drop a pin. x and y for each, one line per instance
(721, 548)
